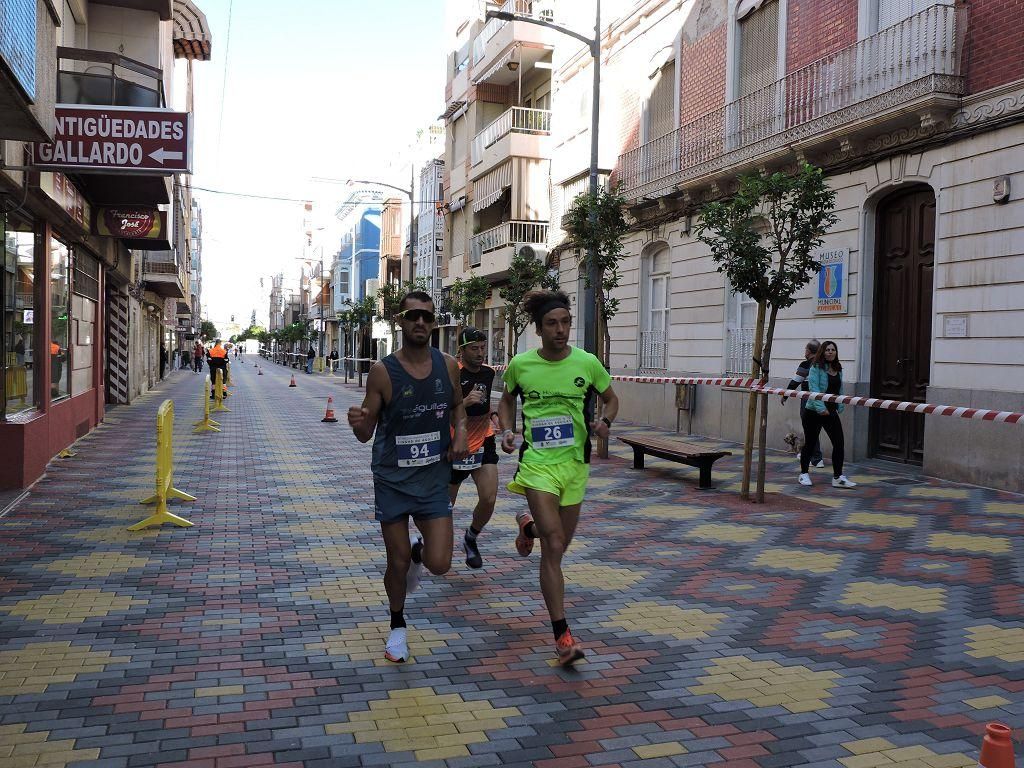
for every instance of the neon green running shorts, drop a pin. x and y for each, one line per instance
(566, 480)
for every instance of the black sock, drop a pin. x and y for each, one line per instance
(472, 533)
(530, 530)
(397, 619)
(560, 627)
(417, 552)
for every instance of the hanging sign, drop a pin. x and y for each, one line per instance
(130, 222)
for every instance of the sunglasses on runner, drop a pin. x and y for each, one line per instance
(412, 315)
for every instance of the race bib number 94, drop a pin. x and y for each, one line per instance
(552, 432)
(418, 450)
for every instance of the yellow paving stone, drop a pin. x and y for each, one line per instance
(352, 590)
(971, 542)
(895, 596)
(986, 702)
(72, 606)
(805, 560)
(882, 520)
(867, 760)
(97, 564)
(365, 642)
(990, 642)
(778, 684)
(602, 576)
(834, 502)
(1004, 508)
(667, 512)
(664, 749)
(38, 665)
(328, 529)
(928, 492)
(901, 754)
(409, 720)
(219, 690)
(33, 749)
(956, 760)
(839, 634)
(727, 532)
(657, 619)
(339, 555)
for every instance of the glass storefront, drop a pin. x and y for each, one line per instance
(60, 323)
(18, 347)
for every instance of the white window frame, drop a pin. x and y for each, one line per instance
(735, 302)
(652, 317)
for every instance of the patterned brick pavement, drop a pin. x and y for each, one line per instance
(882, 626)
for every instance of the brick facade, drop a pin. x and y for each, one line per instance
(702, 75)
(995, 43)
(817, 28)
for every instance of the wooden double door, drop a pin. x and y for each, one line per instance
(902, 338)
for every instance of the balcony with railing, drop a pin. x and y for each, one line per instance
(653, 350)
(100, 78)
(501, 41)
(739, 351)
(164, 274)
(519, 132)
(491, 251)
(898, 77)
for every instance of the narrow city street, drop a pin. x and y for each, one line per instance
(880, 626)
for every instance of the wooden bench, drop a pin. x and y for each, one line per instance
(673, 450)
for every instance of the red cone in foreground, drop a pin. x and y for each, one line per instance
(329, 416)
(997, 747)
(293, 384)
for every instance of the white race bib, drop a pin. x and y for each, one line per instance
(471, 462)
(418, 450)
(552, 432)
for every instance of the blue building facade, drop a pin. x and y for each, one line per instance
(360, 251)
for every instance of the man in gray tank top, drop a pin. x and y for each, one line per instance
(413, 411)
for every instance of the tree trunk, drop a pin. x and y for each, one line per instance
(762, 438)
(755, 369)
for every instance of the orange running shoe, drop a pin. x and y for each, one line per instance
(524, 544)
(568, 650)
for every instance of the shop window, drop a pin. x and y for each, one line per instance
(17, 293)
(60, 323)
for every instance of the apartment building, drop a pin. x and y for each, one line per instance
(429, 257)
(94, 163)
(914, 108)
(498, 150)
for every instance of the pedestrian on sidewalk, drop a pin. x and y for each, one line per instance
(482, 462)
(413, 411)
(825, 375)
(197, 357)
(163, 359)
(799, 381)
(557, 384)
(310, 357)
(217, 359)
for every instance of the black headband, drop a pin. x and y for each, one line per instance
(553, 304)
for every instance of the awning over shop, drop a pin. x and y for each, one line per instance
(489, 188)
(501, 62)
(191, 32)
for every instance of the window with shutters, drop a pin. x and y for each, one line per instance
(890, 12)
(740, 318)
(756, 113)
(660, 109)
(655, 318)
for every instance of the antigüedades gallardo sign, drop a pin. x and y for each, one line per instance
(118, 138)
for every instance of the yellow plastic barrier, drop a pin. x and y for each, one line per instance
(227, 379)
(16, 384)
(165, 489)
(206, 424)
(218, 392)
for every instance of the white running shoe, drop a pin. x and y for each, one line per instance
(820, 464)
(396, 649)
(412, 578)
(805, 479)
(843, 482)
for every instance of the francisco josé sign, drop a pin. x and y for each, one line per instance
(89, 138)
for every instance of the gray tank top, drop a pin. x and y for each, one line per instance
(410, 447)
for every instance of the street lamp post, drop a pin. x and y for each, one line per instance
(589, 311)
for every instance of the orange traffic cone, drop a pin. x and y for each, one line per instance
(329, 416)
(293, 384)
(997, 747)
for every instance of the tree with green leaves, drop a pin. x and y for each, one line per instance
(390, 297)
(597, 225)
(763, 239)
(466, 297)
(526, 273)
(208, 331)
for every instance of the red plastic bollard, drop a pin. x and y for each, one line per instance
(997, 747)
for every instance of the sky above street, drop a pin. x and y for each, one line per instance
(311, 88)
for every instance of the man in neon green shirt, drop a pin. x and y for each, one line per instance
(556, 384)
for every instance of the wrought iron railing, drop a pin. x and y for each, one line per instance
(919, 55)
(514, 120)
(505, 234)
(653, 350)
(739, 353)
(534, 9)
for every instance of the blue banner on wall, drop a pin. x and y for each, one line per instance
(832, 281)
(18, 42)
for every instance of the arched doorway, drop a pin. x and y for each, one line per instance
(902, 338)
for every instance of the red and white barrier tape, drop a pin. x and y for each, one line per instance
(980, 414)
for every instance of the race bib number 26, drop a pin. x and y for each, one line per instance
(552, 432)
(418, 450)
